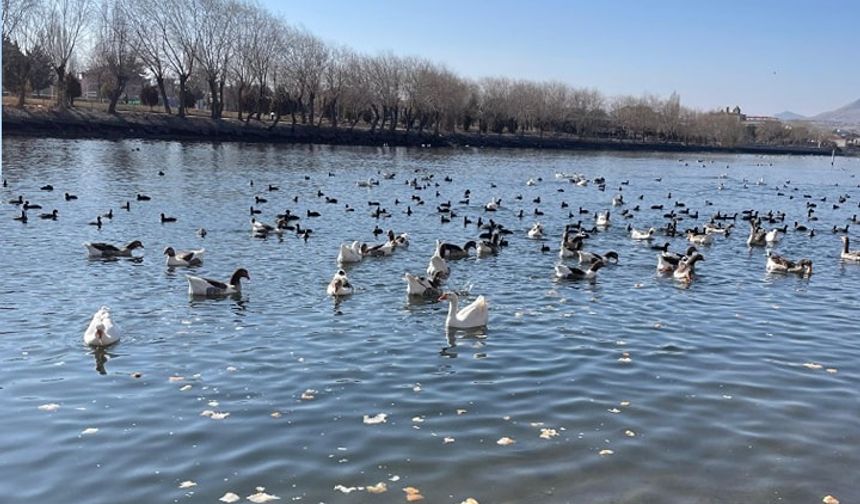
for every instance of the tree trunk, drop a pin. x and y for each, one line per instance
(322, 112)
(115, 94)
(311, 100)
(220, 98)
(182, 81)
(22, 96)
(213, 97)
(159, 79)
(239, 99)
(61, 87)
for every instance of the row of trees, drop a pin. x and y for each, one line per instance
(238, 56)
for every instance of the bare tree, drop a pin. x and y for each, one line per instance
(144, 16)
(64, 22)
(216, 19)
(179, 36)
(16, 14)
(115, 49)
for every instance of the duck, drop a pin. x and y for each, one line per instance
(350, 253)
(339, 285)
(438, 266)
(69, 196)
(848, 255)
(102, 331)
(593, 257)
(779, 264)
(100, 249)
(641, 235)
(493, 205)
(686, 267)
(563, 272)
(423, 286)
(17, 201)
(50, 216)
(183, 257)
(165, 219)
(143, 197)
(199, 286)
(450, 251)
(476, 314)
(536, 231)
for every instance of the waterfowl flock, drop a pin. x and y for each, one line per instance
(491, 226)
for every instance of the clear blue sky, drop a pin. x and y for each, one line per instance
(764, 55)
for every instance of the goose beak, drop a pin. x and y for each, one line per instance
(443, 297)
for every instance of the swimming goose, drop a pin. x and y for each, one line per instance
(641, 235)
(350, 253)
(602, 219)
(848, 255)
(493, 205)
(183, 257)
(165, 219)
(438, 266)
(102, 331)
(18, 201)
(693, 236)
(779, 264)
(49, 216)
(536, 231)
(451, 251)
(711, 228)
(22, 217)
(339, 285)
(686, 267)
(380, 250)
(475, 314)
(565, 273)
(772, 236)
(423, 286)
(757, 236)
(261, 229)
(31, 206)
(593, 257)
(99, 249)
(199, 286)
(667, 261)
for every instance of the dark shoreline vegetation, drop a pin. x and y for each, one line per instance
(93, 124)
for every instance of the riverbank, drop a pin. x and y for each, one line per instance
(80, 123)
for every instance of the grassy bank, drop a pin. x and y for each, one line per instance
(83, 122)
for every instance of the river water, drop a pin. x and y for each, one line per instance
(739, 387)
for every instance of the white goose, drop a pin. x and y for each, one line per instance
(848, 255)
(492, 206)
(772, 236)
(199, 286)
(98, 249)
(437, 266)
(536, 231)
(349, 253)
(423, 286)
(642, 235)
(183, 258)
(565, 273)
(699, 238)
(474, 315)
(339, 285)
(603, 219)
(102, 331)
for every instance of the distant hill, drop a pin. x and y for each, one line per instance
(789, 116)
(849, 114)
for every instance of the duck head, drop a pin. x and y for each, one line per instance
(169, 252)
(134, 245)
